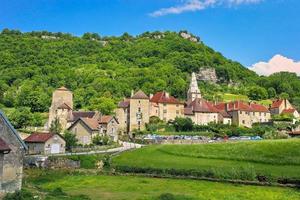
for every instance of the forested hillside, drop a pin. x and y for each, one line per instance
(101, 70)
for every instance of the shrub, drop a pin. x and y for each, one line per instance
(19, 195)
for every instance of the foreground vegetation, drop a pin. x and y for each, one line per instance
(264, 161)
(52, 185)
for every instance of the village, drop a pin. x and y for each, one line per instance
(132, 114)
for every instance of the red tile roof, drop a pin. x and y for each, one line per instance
(39, 137)
(277, 103)
(3, 146)
(258, 108)
(140, 95)
(242, 106)
(289, 111)
(201, 105)
(163, 97)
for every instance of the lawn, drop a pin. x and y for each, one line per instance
(275, 159)
(131, 188)
(233, 97)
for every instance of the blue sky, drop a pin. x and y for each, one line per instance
(247, 31)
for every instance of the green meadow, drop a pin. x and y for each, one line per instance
(246, 160)
(52, 185)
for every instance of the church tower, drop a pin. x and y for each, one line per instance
(194, 91)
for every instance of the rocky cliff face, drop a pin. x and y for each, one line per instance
(207, 74)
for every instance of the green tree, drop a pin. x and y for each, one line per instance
(71, 140)
(257, 93)
(55, 126)
(21, 117)
(103, 104)
(271, 92)
(183, 124)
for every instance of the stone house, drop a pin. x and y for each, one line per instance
(245, 114)
(12, 150)
(122, 115)
(201, 112)
(87, 128)
(62, 109)
(45, 143)
(165, 106)
(108, 125)
(133, 113)
(283, 106)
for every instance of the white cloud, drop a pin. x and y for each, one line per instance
(196, 5)
(277, 64)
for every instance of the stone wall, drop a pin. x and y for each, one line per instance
(12, 162)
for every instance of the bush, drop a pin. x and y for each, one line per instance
(19, 195)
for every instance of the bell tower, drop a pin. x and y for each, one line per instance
(194, 91)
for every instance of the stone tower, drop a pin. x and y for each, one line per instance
(194, 91)
(139, 111)
(61, 106)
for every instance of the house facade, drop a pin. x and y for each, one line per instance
(244, 113)
(201, 112)
(109, 125)
(62, 109)
(165, 106)
(12, 150)
(283, 106)
(87, 128)
(45, 144)
(133, 113)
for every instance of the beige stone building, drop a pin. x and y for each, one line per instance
(109, 125)
(122, 115)
(87, 128)
(61, 106)
(244, 113)
(62, 109)
(12, 150)
(45, 143)
(133, 113)
(283, 106)
(201, 112)
(165, 106)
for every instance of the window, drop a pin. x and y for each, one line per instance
(165, 104)
(177, 105)
(177, 112)
(260, 114)
(139, 101)
(139, 109)
(243, 121)
(165, 111)
(165, 119)
(241, 112)
(265, 114)
(125, 122)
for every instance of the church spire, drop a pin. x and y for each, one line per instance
(194, 91)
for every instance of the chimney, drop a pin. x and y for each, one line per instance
(132, 93)
(226, 107)
(167, 94)
(151, 95)
(285, 103)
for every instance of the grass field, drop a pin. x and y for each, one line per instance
(95, 187)
(274, 159)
